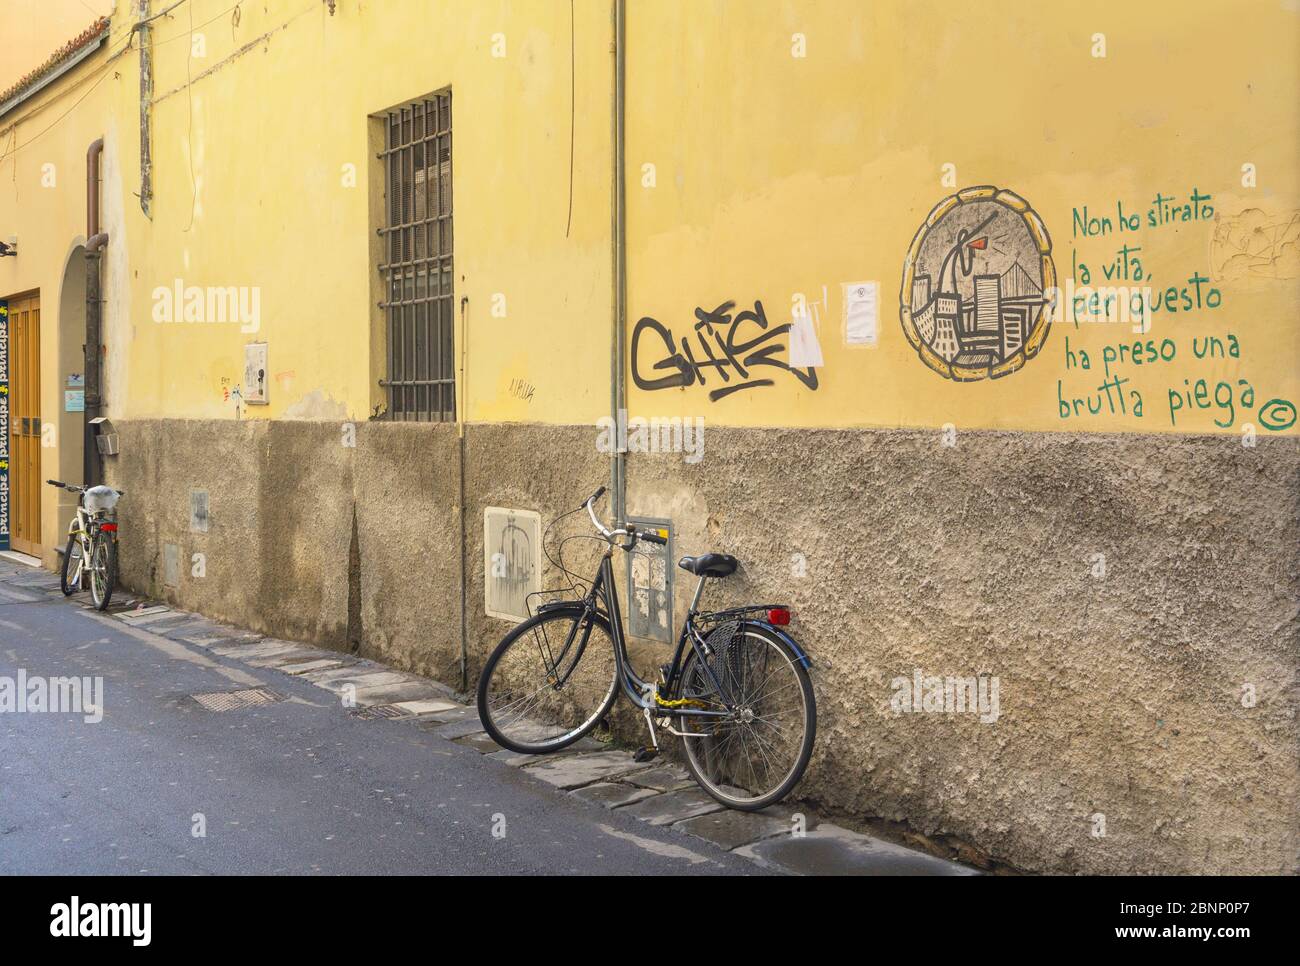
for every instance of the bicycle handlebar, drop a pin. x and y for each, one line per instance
(653, 536)
(73, 488)
(604, 531)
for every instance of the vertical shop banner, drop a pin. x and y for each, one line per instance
(4, 425)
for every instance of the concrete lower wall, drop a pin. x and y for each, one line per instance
(1129, 593)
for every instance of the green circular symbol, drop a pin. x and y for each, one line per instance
(1277, 414)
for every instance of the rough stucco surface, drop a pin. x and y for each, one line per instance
(407, 521)
(1119, 695)
(278, 551)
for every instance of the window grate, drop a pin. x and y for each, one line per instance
(417, 272)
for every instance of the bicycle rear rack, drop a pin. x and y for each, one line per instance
(734, 613)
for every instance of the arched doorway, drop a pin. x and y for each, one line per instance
(70, 426)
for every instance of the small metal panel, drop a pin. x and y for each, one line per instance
(512, 561)
(198, 511)
(256, 374)
(171, 565)
(380, 711)
(650, 577)
(234, 700)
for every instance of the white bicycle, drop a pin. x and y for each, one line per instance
(90, 557)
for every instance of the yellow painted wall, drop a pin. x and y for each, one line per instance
(778, 174)
(774, 174)
(251, 190)
(43, 202)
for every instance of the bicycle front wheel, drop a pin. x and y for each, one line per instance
(549, 681)
(103, 570)
(753, 757)
(70, 573)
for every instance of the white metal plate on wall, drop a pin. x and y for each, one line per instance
(255, 374)
(512, 561)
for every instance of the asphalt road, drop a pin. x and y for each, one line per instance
(296, 787)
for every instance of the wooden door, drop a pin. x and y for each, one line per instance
(25, 423)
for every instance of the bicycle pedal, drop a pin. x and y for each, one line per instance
(644, 754)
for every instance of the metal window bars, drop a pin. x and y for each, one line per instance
(417, 273)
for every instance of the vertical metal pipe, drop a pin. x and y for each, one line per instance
(618, 237)
(146, 111)
(89, 455)
(95, 242)
(463, 518)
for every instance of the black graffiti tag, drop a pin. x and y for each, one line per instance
(734, 356)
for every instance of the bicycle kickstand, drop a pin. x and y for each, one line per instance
(648, 753)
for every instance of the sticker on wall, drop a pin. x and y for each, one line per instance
(4, 425)
(972, 301)
(512, 561)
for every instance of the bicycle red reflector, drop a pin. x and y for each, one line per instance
(780, 616)
(108, 527)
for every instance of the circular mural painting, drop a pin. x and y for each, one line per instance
(972, 299)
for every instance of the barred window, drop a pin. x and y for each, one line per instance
(417, 271)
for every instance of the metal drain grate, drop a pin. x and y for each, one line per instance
(380, 711)
(234, 700)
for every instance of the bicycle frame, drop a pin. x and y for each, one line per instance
(85, 525)
(80, 528)
(642, 693)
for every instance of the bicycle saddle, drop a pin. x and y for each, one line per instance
(709, 564)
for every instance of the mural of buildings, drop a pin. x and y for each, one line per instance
(984, 329)
(988, 302)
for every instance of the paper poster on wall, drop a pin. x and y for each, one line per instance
(861, 313)
(74, 400)
(4, 425)
(805, 350)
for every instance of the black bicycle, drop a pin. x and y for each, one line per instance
(737, 691)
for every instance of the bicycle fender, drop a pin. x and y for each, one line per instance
(557, 605)
(804, 659)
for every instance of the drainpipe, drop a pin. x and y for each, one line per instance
(460, 500)
(618, 274)
(146, 106)
(95, 242)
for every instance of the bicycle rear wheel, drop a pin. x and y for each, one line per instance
(755, 757)
(549, 681)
